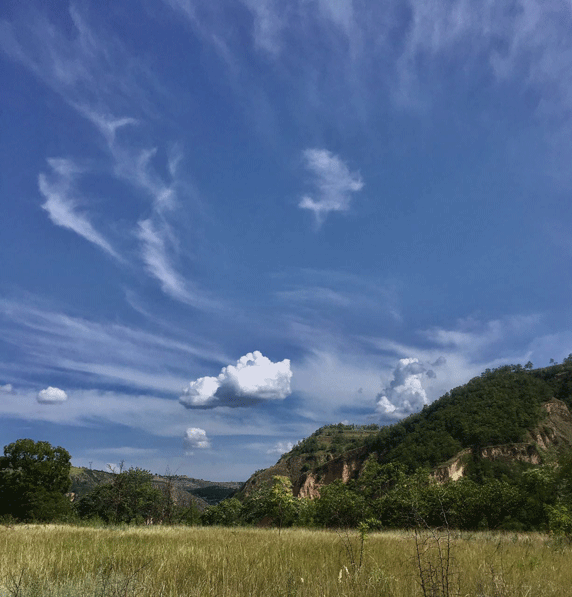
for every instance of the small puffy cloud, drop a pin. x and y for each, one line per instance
(333, 182)
(405, 393)
(51, 396)
(253, 379)
(6, 389)
(195, 438)
(280, 448)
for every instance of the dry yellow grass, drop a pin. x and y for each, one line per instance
(58, 561)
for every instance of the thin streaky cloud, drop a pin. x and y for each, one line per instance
(154, 252)
(89, 72)
(117, 352)
(268, 24)
(61, 204)
(107, 126)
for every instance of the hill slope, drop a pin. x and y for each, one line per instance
(507, 415)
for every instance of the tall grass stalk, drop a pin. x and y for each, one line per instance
(67, 561)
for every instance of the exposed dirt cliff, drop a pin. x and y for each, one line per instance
(345, 467)
(554, 433)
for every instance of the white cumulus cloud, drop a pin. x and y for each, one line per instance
(333, 182)
(406, 392)
(7, 389)
(51, 396)
(253, 379)
(196, 438)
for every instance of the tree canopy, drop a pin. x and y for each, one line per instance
(34, 476)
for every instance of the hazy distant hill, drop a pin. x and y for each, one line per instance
(505, 416)
(201, 493)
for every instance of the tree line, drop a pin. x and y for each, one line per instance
(35, 476)
(35, 479)
(387, 496)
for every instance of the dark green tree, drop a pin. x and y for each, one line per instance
(34, 477)
(340, 506)
(273, 502)
(227, 513)
(130, 497)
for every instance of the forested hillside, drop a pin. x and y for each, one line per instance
(507, 434)
(501, 406)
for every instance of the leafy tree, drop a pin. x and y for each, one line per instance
(130, 497)
(189, 515)
(340, 506)
(274, 501)
(560, 512)
(34, 476)
(377, 479)
(227, 513)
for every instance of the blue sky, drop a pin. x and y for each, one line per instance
(226, 224)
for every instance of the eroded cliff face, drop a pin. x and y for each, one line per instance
(555, 430)
(454, 469)
(344, 467)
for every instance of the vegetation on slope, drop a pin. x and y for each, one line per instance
(501, 408)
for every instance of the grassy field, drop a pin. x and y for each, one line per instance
(58, 560)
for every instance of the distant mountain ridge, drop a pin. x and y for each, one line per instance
(509, 415)
(184, 489)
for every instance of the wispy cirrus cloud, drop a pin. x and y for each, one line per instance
(402, 54)
(106, 84)
(155, 254)
(156, 233)
(106, 351)
(84, 66)
(270, 18)
(526, 38)
(326, 293)
(333, 184)
(61, 203)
